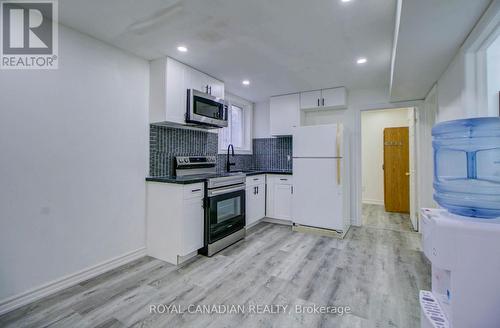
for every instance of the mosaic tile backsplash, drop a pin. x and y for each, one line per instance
(272, 153)
(168, 142)
(243, 162)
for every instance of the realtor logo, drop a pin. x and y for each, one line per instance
(29, 34)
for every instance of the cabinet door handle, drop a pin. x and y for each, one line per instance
(195, 190)
(255, 179)
(210, 89)
(291, 190)
(257, 190)
(323, 100)
(318, 102)
(283, 179)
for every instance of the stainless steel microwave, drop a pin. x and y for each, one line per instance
(206, 109)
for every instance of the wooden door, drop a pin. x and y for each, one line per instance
(396, 170)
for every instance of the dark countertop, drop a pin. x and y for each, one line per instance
(204, 177)
(257, 172)
(179, 180)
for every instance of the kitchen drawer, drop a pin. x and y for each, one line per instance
(279, 179)
(256, 180)
(195, 190)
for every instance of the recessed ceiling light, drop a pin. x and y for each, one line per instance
(245, 82)
(361, 60)
(182, 48)
(345, 0)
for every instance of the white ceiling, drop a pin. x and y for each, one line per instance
(285, 46)
(281, 46)
(430, 35)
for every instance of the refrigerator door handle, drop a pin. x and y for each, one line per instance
(338, 154)
(338, 171)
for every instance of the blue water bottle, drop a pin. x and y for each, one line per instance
(467, 166)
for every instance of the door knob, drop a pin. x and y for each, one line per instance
(407, 173)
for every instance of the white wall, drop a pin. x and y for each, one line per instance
(73, 145)
(451, 89)
(373, 124)
(425, 154)
(462, 88)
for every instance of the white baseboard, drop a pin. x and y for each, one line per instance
(373, 201)
(249, 226)
(277, 221)
(52, 287)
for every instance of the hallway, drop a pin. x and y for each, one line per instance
(375, 216)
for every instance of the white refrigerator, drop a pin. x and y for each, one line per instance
(320, 177)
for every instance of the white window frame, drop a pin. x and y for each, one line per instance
(475, 93)
(247, 107)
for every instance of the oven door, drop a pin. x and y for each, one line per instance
(225, 212)
(206, 109)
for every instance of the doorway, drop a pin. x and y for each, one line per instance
(388, 168)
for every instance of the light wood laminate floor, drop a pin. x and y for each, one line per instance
(374, 270)
(375, 216)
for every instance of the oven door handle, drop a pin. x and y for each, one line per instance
(226, 190)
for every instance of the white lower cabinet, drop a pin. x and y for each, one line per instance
(255, 199)
(192, 230)
(175, 220)
(279, 196)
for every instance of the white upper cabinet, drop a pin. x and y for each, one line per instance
(285, 111)
(216, 87)
(169, 82)
(196, 80)
(205, 83)
(284, 114)
(332, 98)
(176, 95)
(310, 99)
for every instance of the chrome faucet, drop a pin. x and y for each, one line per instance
(228, 162)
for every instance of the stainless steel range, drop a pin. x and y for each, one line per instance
(224, 202)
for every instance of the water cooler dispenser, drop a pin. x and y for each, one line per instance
(462, 239)
(465, 257)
